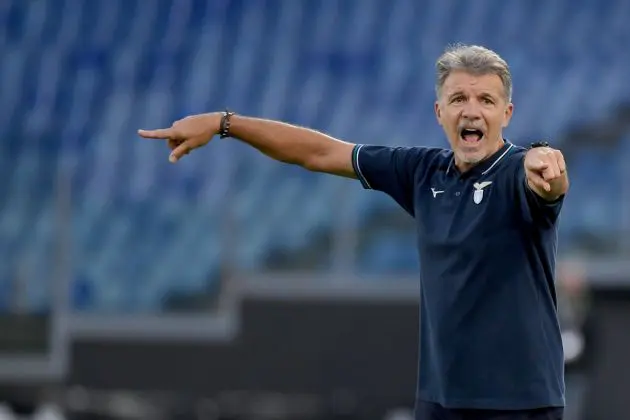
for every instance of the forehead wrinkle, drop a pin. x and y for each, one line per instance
(473, 81)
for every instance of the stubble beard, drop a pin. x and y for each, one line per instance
(471, 158)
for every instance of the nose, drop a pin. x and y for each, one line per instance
(471, 111)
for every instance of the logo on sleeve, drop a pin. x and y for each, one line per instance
(478, 195)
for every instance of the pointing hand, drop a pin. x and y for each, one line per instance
(186, 134)
(543, 165)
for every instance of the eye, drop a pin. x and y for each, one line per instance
(457, 99)
(487, 101)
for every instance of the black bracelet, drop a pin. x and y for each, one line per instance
(539, 144)
(224, 128)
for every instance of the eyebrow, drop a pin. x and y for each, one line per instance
(457, 92)
(488, 95)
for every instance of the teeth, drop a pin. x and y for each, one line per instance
(471, 131)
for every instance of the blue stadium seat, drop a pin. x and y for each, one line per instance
(78, 78)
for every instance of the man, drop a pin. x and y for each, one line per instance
(486, 212)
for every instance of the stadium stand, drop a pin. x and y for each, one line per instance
(79, 77)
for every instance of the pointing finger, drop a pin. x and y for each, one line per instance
(540, 182)
(161, 133)
(549, 174)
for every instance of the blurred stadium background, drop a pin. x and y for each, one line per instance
(230, 286)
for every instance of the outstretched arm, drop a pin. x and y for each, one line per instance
(283, 142)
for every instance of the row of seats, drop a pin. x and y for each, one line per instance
(78, 78)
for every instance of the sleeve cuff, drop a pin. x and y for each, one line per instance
(357, 167)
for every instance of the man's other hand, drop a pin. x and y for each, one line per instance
(546, 172)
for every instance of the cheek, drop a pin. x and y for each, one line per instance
(450, 120)
(495, 121)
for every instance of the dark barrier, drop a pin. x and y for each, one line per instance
(609, 374)
(364, 349)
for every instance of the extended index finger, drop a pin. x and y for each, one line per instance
(160, 133)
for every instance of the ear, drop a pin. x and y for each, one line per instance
(509, 110)
(438, 112)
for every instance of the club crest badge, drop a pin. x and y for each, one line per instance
(479, 189)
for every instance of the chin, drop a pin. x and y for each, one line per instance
(471, 158)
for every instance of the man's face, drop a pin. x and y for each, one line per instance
(473, 110)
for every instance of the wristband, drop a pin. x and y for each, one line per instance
(539, 144)
(224, 127)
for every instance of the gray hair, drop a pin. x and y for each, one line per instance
(475, 60)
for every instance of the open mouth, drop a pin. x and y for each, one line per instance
(471, 135)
